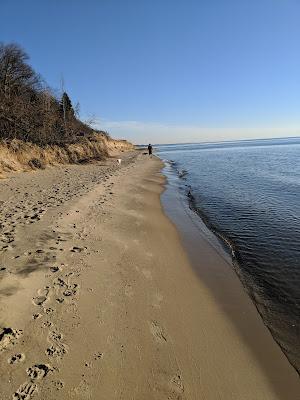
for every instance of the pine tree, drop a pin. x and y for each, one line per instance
(66, 106)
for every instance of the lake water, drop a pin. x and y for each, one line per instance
(248, 193)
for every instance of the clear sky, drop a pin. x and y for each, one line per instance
(168, 71)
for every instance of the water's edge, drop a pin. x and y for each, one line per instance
(226, 248)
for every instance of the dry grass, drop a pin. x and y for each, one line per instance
(18, 155)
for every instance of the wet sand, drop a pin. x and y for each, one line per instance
(100, 300)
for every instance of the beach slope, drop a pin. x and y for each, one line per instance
(99, 299)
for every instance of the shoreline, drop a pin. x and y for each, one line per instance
(225, 247)
(129, 312)
(194, 232)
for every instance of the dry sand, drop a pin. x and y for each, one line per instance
(99, 299)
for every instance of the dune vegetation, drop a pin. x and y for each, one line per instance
(39, 127)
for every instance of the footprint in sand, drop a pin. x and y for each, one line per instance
(55, 336)
(98, 356)
(76, 249)
(8, 336)
(60, 300)
(42, 296)
(16, 358)
(37, 316)
(71, 290)
(47, 324)
(59, 282)
(176, 385)
(54, 269)
(58, 385)
(39, 300)
(39, 371)
(28, 389)
(158, 332)
(25, 391)
(53, 351)
(57, 348)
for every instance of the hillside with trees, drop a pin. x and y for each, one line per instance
(29, 110)
(31, 113)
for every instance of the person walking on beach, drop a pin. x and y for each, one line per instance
(150, 149)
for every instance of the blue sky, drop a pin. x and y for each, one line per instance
(169, 71)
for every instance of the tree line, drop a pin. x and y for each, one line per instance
(29, 109)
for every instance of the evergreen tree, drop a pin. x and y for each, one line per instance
(66, 106)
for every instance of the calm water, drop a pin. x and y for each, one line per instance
(249, 193)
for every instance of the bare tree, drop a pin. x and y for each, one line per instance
(29, 109)
(15, 73)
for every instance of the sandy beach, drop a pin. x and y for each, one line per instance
(102, 297)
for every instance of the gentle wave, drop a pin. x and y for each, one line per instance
(249, 195)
